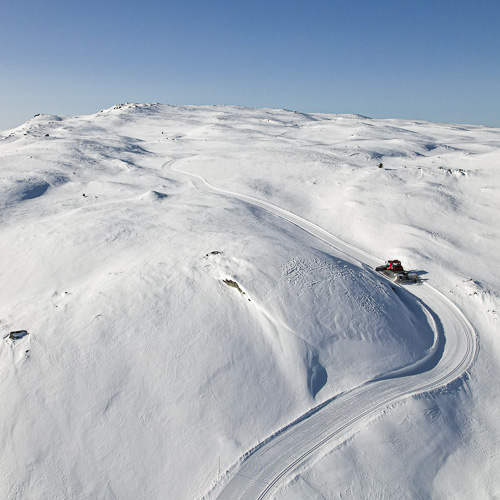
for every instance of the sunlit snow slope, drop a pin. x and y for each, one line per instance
(144, 371)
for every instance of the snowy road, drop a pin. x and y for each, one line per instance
(272, 464)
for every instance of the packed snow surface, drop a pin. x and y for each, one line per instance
(173, 324)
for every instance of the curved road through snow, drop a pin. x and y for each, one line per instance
(262, 471)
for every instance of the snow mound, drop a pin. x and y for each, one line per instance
(21, 190)
(152, 196)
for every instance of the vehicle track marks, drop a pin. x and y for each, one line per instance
(271, 464)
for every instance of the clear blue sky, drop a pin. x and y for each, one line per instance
(435, 60)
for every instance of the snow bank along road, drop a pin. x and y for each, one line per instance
(273, 463)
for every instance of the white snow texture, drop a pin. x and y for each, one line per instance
(172, 328)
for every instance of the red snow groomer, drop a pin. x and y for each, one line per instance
(395, 272)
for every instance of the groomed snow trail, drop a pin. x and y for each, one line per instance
(262, 471)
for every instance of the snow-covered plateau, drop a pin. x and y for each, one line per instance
(202, 319)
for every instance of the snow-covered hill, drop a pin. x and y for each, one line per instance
(172, 329)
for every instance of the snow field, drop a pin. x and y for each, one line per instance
(144, 368)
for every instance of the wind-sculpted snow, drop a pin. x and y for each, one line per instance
(173, 329)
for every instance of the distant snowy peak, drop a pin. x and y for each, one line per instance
(224, 112)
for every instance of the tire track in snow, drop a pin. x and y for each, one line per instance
(273, 463)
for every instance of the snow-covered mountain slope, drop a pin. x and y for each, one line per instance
(171, 329)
